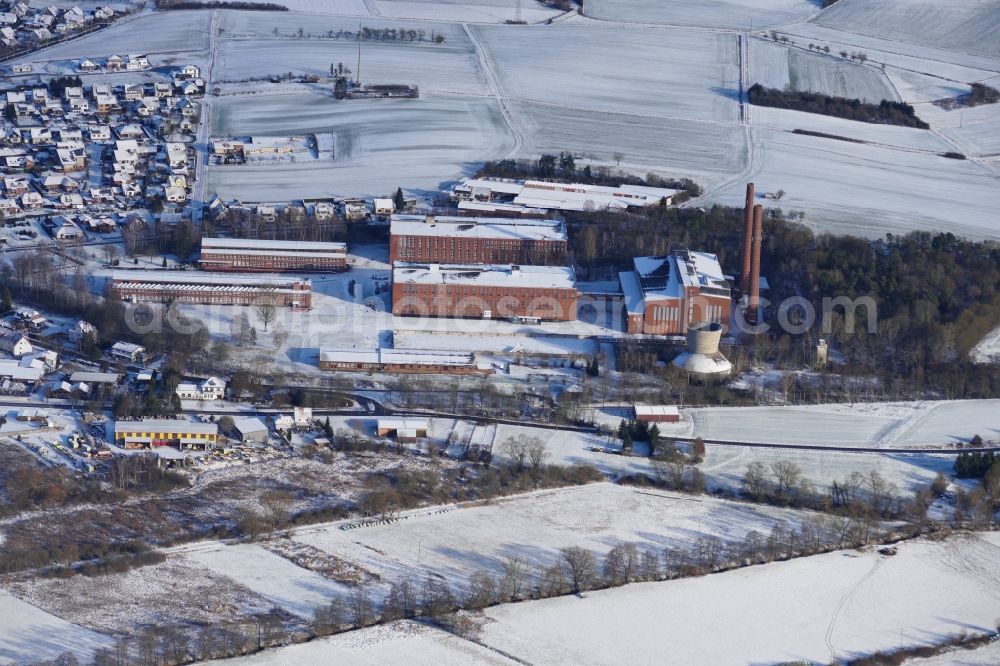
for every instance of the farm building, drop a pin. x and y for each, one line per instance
(561, 196)
(249, 255)
(149, 433)
(404, 430)
(402, 361)
(221, 289)
(484, 291)
(251, 430)
(657, 413)
(475, 240)
(664, 295)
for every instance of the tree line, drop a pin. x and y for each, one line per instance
(885, 112)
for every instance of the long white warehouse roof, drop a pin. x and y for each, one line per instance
(478, 227)
(259, 244)
(206, 279)
(486, 275)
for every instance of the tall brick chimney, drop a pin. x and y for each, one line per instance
(753, 306)
(747, 236)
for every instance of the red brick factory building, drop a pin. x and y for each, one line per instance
(272, 256)
(477, 240)
(210, 288)
(484, 291)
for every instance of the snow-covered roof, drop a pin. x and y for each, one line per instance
(167, 425)
(250, 424)
(397, 356)
(478, 227)
(201, 280)
(94, 377)
(15, 371)
(656, 410)
(568, 196)
(494, 275)
(268, 246)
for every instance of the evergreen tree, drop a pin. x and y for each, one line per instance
(398, 200)
(8, 302)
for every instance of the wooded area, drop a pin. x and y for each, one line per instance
(884, 113)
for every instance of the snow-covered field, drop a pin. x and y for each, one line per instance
(736, 14)
(680, 74)
(379, 144)
(408, 642)
(457, 543)
(777, 66)
(970, 26)
(815, 609)
(29, 634)
(898, 425)
(987, 350)
(297, 590)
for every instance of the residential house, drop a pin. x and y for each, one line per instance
(212, 388)
(14, 343)
(128, 351)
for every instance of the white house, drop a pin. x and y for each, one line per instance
(82, 329)
(127, 351)
(14, 343)
(212, 388)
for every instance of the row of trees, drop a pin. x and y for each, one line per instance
(885, 112)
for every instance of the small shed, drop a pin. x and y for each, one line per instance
(384, 207)
(404, 430)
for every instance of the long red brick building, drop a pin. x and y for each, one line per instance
(477, 240)
(211, 288)
(248, 255)
(664, 295)
(484, 291)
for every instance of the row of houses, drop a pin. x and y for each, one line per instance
(23, 27)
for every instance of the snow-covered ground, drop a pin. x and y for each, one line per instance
(733, 14)
(408, 642)
(777, 66)
(816, 610)
(297, 590)
(29, 634)
(987, 350)
(969, 26)
(457, 543)
(887, 425)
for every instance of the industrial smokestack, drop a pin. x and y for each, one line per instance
(747, 235)
(753, 307)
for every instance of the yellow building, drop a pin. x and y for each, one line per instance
(150, 433)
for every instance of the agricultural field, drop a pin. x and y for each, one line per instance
(646, 143)
(816, 609)
(29, 634)
(733, 14)
(969, 26)
(869, 191)
(445, 67)
(777, 66)
(454, 544)
(682, 74)
(379, 144)
(406, 641)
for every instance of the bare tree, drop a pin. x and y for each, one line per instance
(240, 329)
(361, 607)
(110, 253)
(517, 450)
(581, 566)
(755, 480)
(400, 602)
(786, 476)
(328, 619)
(535, 449)
(513, 579)
(482, 591)
(266, 312)
(279, 335)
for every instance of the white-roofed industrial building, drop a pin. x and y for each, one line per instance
(257, 255)
(149, 433)
(216, 288)
(401, 361)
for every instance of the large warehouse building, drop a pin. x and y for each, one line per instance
(664, 295)
(560, 196)
(477, 240)
(220, 289)
(402, 361)
(484, 291)
(273, 256)
(150, 433)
